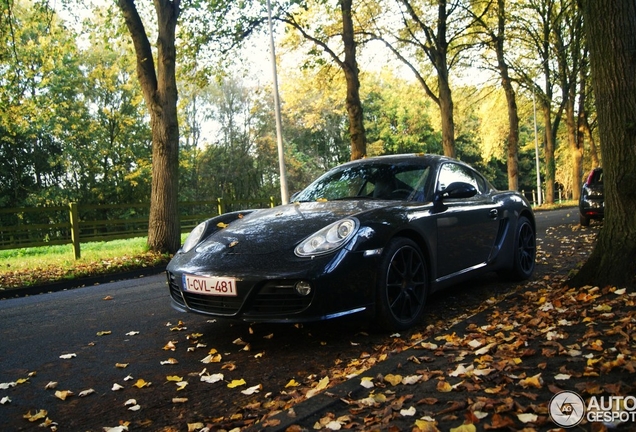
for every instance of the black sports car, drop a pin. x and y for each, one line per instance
(373, 236)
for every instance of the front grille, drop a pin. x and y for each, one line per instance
(278, 297)
(213, 304)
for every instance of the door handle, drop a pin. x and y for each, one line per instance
(493, 214)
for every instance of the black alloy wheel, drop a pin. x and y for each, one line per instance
(525, 251)
(402, 285)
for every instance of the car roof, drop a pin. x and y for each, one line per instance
(406, 157)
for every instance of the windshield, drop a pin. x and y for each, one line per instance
(370, 181)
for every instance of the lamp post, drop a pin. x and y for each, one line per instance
(284, 195)
(536, 150)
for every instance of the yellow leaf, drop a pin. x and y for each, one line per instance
(292, 383)
(141, 383)
(37, 416)
(222, 225)
(464, 428)
(444, 387)
(393, 379)
(426, 425)
(195, 426)
(181, 385)
(236, 383)
(322, 384)
(321, 200)
(63, 394)
(174, 378)
(533, 381)
(104, 333)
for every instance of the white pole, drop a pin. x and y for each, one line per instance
(284, 195)
(536, 150)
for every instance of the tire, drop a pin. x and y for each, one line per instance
(402, 285)
(525, 250)
(585, 221)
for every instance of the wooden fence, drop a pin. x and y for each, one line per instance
(75, 223)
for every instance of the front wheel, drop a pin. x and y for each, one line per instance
(402, 285)
(525, 250)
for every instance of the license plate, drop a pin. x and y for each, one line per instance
(210, 285)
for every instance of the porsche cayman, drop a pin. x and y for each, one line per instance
(372, 237)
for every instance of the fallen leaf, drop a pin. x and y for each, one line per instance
(174, 378)
(527, 418)
(38, 415)
(367, 382)
(444, 387)
(104, 333)
(68, 356)
(411, 411)
(211, 379)
(121, 365)
(292, 383)
(192, 427)
(252, 390)
(85, 393)
(63, 394)
(51, 385)
(179, 400)
(533, 381)
(464, 428)
(117, 387)
(170, 361)
(132, 333)
(393, 379)
(141, 383)
(236, 383)
(5, 400)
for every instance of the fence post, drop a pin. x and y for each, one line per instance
(272, 202)
(74, 214)
(220, 205)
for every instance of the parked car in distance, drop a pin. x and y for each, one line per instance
(591, 204)
(371, 237)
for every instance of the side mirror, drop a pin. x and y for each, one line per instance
(453, 191)
(458, 190)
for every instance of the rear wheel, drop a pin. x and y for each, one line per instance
(402, 285)
(524, 252)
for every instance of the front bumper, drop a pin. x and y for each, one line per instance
(342, 284)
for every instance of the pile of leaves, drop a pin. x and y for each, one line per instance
(10, 279)
(502, 368)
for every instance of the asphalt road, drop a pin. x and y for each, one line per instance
(136, 316)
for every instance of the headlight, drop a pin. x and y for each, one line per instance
(327, 239)
(194, 237)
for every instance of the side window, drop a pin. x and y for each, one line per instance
(451, 173)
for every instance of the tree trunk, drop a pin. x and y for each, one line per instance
(446, 109)
(511, 100)
(350, 66)
(160, 94)
(610, 29)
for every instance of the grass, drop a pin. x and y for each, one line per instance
(40, 265)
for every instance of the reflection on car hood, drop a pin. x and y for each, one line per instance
(271, 230)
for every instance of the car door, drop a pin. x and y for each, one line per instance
(466, 227)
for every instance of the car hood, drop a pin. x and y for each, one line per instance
(281, 228)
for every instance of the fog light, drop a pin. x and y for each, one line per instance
(303, 288)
